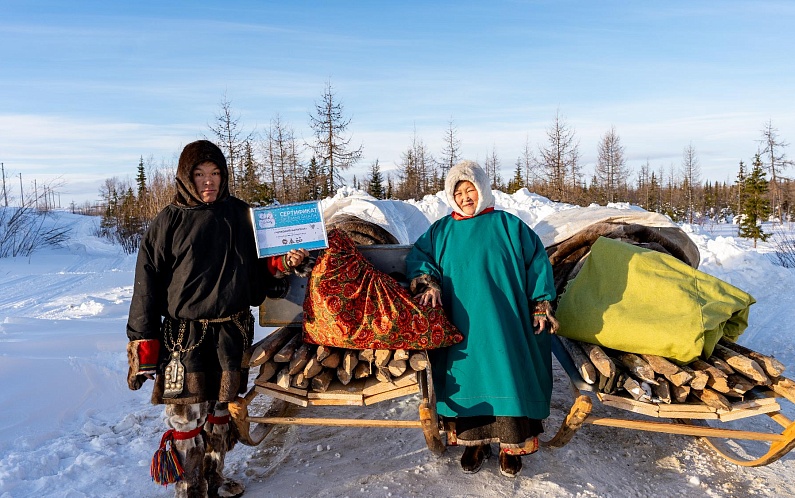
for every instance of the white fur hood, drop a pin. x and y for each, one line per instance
(471, 172)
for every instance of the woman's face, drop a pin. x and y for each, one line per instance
(207, 178)
(466, 196)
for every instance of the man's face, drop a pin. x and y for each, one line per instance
(466, 196)
(207, 178)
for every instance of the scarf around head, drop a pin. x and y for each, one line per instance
(469, 171)
(194, 154)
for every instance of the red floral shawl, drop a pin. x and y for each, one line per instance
(351, 304)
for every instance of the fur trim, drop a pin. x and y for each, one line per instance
(422, 283)
(471, 172)
(195, 153)
(141, 353)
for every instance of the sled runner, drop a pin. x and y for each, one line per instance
(295, 373)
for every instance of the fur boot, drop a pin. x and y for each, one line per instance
(184, 418)
(220, 438)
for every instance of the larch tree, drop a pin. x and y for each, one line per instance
(691, 176)
(772, 148)
(332, 147)
(560, 158)
(231, 139)
(612, 173)
(492, 167)
(451, 152)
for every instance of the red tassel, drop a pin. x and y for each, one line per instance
(165, 468)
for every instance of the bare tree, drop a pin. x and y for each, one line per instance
(532, 169)
(560, 159)
(451, 152)
(492, 167)
(331, 146)
(281, 161)
(691, 175)
(772, 148)
(612, 173)
(231, 139)
(416, 171)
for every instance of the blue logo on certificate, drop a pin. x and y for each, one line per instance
(279, 229)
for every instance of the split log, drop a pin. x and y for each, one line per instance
(583, 364)
(332, 360)
(661, 365)
(367, 355)
(312, 368)
(740, 384)
(699, 380)
(784, 387)
(636, 390)
(299, 381)
(397, 367)
(769, 364)
(382, 374)
(400, 354)
(662, 391)
(362, 370)
(712, 398)
(345, 370)
(717, 378)
(682, 377)
(679, 393)
(286, 352)
(323, 352)
(418, 361)
(600, 360)
(283, 379)
(300, 358)
(638, 367)
(742, 364)
(720, 365)
(382, 357)
(266, 372)
(321, 381)
(264, 349)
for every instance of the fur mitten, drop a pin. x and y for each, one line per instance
(142, 360)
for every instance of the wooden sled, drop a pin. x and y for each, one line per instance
(689, 420)
(287, 314)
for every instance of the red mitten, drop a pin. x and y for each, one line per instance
(142, 359)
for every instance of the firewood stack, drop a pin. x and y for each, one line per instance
(722, 387)
(308, 374)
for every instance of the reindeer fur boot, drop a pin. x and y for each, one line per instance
(185, 418)
(220, 438)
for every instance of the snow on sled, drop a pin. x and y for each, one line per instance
(643, 331)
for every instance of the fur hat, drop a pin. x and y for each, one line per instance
(469, 171)
(194, 154)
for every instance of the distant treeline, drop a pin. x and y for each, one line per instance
(276, 166)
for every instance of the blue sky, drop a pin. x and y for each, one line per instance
(86, 87)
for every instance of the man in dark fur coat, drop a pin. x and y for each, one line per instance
(196, 277)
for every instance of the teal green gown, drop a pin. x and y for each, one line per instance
(492, 269)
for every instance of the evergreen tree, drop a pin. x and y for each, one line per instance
(376, 187)
(140, 179)
(517, 182)
(756, 207)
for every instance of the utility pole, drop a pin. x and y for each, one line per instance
(3, 172)
(21, 193)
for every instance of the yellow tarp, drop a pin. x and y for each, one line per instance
(642, 301)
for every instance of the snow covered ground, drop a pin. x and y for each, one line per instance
(71, 428)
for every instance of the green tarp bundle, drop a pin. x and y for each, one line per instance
(642, 301)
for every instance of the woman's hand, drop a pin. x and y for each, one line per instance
(431, 297)
(544, 319)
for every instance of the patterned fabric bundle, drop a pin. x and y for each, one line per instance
(351, 304)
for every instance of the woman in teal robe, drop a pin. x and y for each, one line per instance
(491, 274)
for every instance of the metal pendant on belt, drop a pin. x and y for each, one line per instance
(174, 377)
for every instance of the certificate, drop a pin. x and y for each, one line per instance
(278, 229)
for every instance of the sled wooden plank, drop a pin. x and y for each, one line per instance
(629, 405)
(337, 390)
(336, 402)
(683, 429)
(686, 407)
(374, 386)
(690, 415)
(747, 412)
(279, 394)
(395, 393)
(290, 390)
(338, 422)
